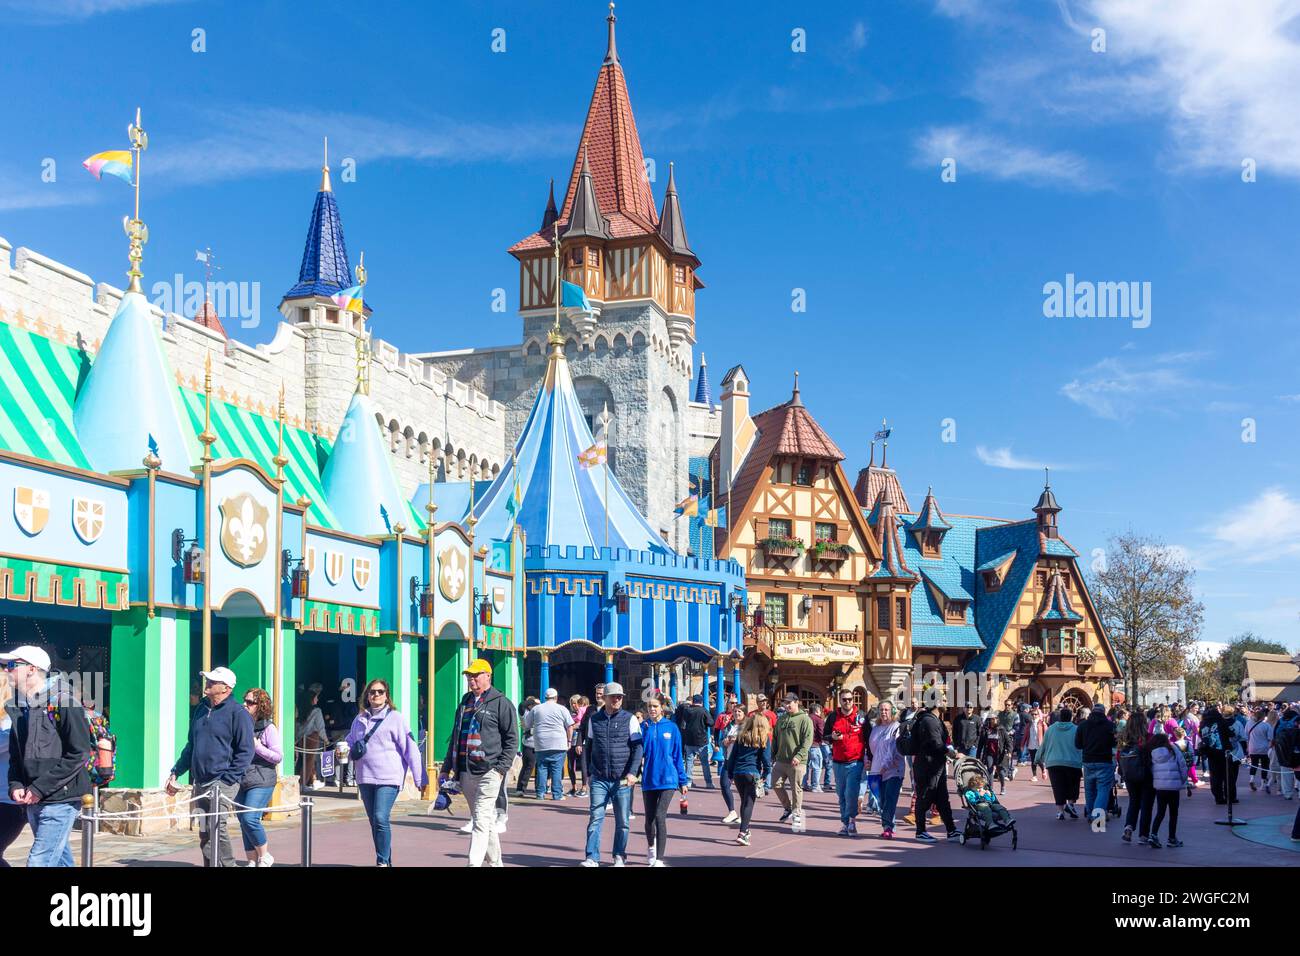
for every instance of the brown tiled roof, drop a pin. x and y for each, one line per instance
(207, 317)
(617, 163)
(874, 479)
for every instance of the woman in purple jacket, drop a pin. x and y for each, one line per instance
(259, 783)
(389, 753)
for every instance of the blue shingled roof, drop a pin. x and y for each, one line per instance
(992, 564)
(1059, 549)
(993, 610)
(953, 574)
(946, 636)
(702, 393)
(325, 269)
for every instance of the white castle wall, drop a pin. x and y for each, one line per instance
(315, 360)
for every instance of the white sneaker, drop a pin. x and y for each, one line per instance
(620, 861)
(658, 863)
(731, 817)
(501, 822)
(650, 858)
(468, 827)
(590, 863)
(266, 860)
(317, 785)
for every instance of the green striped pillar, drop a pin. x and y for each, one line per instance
(252, 658)
(451, 657)
(149, 693)
(398, 663)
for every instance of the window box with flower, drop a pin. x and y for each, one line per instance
(776, 546)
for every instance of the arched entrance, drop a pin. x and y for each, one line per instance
(576, 669)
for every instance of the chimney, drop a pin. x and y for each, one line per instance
(737, 428)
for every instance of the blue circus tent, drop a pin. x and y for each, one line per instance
(560, 502)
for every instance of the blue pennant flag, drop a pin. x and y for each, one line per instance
(574, 297)
(153, 445)
(882, 435)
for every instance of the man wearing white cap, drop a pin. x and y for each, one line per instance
(549, 724)
(47, 757)
(217, 754)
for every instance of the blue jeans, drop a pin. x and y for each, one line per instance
(767, 781)
(1098, 778)
(378, 800)
(812, 777)
(688, 758)
(848, 777)
(51, 825)
(250, 824)
(603, 792)
(550, 763)
(889, 790)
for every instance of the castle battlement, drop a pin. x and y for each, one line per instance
(422, 411)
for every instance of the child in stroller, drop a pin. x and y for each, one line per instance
(986, 817)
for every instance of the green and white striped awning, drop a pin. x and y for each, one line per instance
(38, 383)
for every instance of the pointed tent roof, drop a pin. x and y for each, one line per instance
(130, 394)
(1047, 501)
(325, 268)
(585, 218)
(875, 479)
(358, 478)
(702, 391)
(208, 318)
(560, 502)
(930, 518)
(551, 214)
(1056, 602)
(672, 228)
(617, 162)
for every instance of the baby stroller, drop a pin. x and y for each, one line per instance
(963, 771)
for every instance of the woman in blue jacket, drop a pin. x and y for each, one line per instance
(662, 772)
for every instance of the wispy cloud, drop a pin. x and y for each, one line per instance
(1119, 388)
(987, 154)
(1293, 399)
(1005, 458)
(63, 11)
(249, 141)
(1263, 529)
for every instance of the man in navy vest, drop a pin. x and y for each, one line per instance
(613, 746)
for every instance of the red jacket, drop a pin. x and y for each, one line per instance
(849, 748)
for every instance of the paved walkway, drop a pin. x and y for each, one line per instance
(553, 834)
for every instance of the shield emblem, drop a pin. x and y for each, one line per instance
(31, 509)
(498, 600)
(88, 519)
(333, 566)
(451, 574)
(361, 572)
(244, 535)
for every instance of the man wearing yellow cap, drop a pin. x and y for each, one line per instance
(482, 748)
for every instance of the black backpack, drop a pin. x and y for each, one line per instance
(1285, 741)
(1132, 767)
(905, 745)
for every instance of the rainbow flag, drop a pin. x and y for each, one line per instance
(690, 505)
(349, 299)
(597, 454)
(115, 162)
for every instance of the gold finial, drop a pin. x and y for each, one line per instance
(136, 231)
(325, 170)
(207, 437)
(152, 461)
(303, 502)
(361, 270)
(430, 507)
(555, 331)
(399, 529)
(280, 458)
(363, 364)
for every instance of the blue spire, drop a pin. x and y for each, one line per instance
(128, 401)
(702, 391)
(325, 267)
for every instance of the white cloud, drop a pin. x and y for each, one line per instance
(986, 154)
(1289, 398)
(59, 11)
(1263, 529)
(1117, 388)
(858, 36)
(1006, 458)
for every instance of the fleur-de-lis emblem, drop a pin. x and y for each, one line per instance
(451, 574)
(243, 530)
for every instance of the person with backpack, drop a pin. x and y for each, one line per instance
(845, 728)
(1259, 744)
(1135, 771)
(926, 741)
(1286, 736)
(1168, 777)
(259, 782)
(1096, 738)
(1219, 746)
(217, 755)
(694, 722)
(747, 764)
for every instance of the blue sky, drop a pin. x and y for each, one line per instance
(816, 170)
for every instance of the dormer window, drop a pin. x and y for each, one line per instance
(931, 544)
(803, 474)
(992, 581)
(954, 612)
(575, 257)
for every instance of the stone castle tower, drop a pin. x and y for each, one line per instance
(635, 354)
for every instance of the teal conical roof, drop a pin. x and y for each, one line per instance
(359, 482)
(129, 395)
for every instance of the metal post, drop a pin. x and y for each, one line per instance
(88, 827)
(94, 793)
(214, 844)
(307, 804)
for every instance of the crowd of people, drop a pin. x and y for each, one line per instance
(607, 750)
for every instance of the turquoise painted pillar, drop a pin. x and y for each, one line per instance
(705, 691)
(722, 684)
(545, 676)
(672, 685)
(149, 682)
(609, 667)
(735, 675)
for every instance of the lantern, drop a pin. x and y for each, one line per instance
(621, 597)
(301, 581)
(193, 564)
(759, 619)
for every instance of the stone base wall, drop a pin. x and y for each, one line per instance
(160, 813)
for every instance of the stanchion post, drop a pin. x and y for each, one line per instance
(307, 804)
(214, 843)
(88, 827)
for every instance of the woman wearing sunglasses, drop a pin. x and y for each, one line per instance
(259, 783)
(383, 750)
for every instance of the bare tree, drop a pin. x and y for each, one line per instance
(1144, 596)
